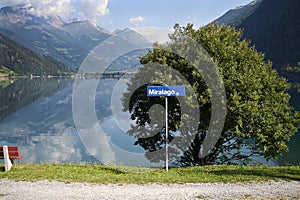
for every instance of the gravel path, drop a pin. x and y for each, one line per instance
(58, 190)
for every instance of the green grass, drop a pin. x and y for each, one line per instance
(139, 175)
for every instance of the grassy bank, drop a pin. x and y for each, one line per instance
(139, 175)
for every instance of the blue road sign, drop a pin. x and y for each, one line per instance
(165, 91)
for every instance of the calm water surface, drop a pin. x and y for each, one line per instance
(36, 115)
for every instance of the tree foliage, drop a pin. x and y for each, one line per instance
(259, 120)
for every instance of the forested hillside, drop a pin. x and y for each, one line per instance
(274, 28)
(23, 61)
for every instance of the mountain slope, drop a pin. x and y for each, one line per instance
(236, 16)
(86, 34)
(24, 61)
(66, 42)
(275, 29)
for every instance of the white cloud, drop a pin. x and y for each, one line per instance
(45, 8)
(90, 9)
(93, 9)
(136, 20)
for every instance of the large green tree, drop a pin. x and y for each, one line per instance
(259, 120)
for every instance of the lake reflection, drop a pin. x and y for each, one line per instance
(36, 115)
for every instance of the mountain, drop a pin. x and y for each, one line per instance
(68, 42)
(132, 36)
(237, 15)
(274, 28)
(22, 61)
(86, 34)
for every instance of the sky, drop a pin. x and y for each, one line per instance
(120, 14)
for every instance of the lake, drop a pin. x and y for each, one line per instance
(37, 115)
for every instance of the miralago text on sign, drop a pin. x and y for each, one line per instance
(165, 91)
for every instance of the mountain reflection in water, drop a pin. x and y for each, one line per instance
(36, 115)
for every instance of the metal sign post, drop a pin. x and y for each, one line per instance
(166, 91)
(167, 132)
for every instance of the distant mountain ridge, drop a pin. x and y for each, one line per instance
(68, 42)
